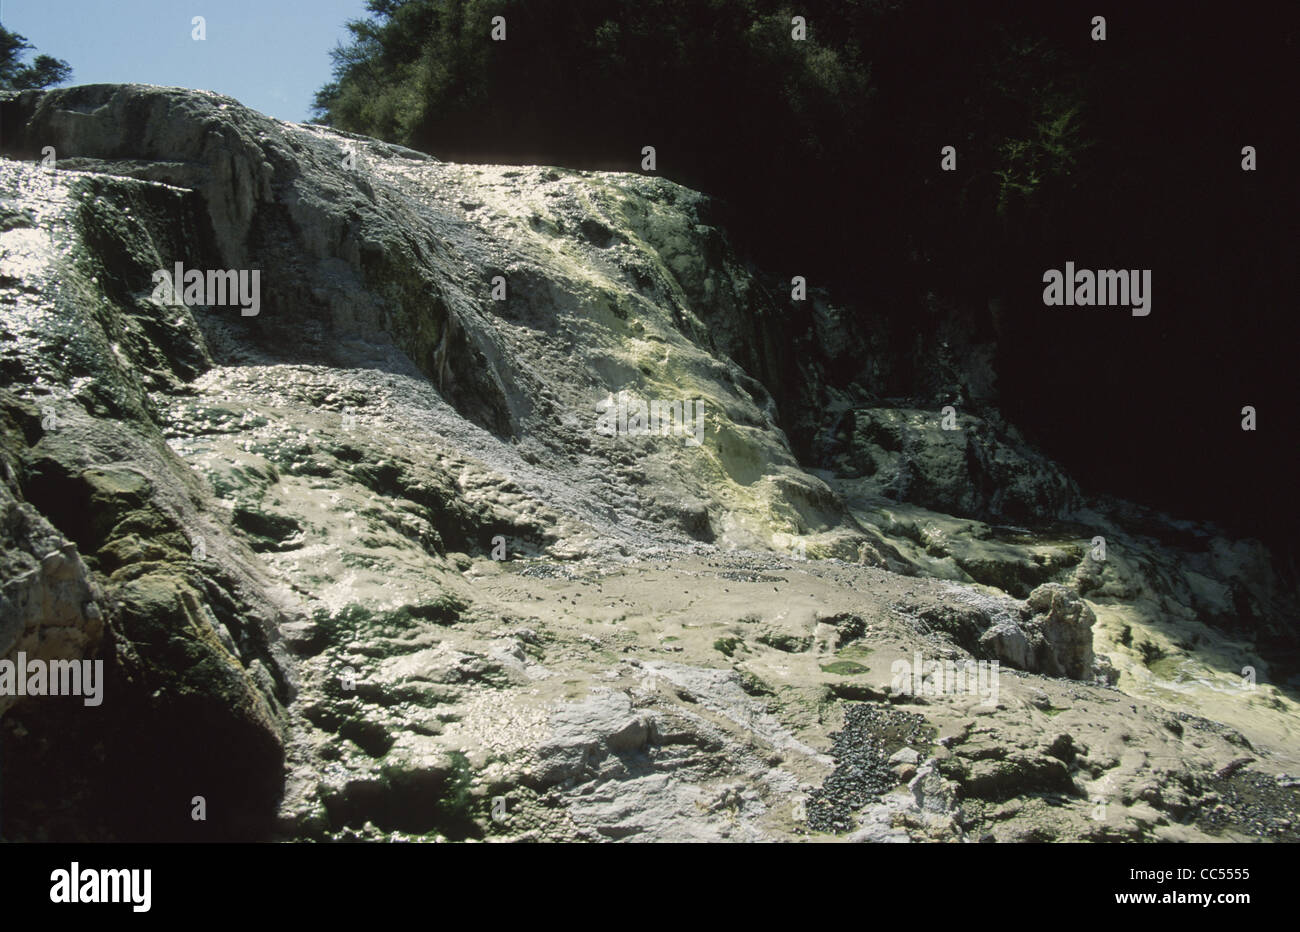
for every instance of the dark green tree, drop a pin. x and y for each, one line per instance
(44, 71)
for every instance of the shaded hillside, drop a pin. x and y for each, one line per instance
(1123, 153)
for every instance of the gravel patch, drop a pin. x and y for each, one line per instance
(863, 773)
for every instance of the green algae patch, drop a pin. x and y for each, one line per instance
(843, 668)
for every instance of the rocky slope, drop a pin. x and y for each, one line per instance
(371, 563)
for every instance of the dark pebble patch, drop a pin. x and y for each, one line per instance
(871, 734)
(1254, 804)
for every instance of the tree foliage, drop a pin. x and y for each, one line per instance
(44, 71)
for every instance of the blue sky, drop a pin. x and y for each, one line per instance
(271, 55)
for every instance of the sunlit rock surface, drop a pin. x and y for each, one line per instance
(370, 563)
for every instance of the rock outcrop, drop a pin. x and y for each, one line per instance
(1053, 635)
(50, 608)
(967, 467)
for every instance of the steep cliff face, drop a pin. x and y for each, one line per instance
(405, 552)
